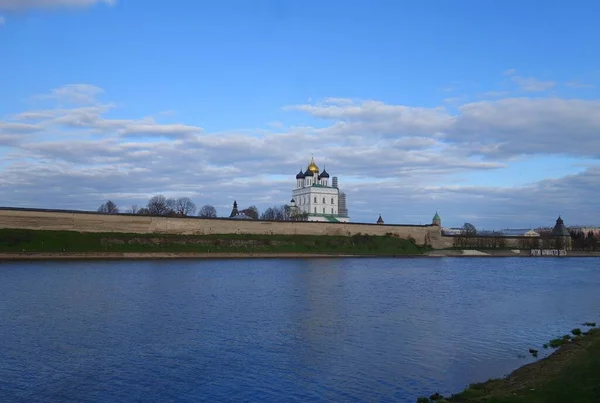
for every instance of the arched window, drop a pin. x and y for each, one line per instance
(323, 210)
(315, 210)
(323, 200)
(315, 199)
(332, 210)
(332, 200)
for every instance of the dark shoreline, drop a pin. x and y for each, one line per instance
(569, 373)
(24, 256)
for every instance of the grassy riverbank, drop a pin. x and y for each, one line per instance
(48, 242)
(569, 374)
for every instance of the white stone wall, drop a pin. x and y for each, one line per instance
(316, 199)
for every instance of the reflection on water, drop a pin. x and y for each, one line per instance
(279, 330)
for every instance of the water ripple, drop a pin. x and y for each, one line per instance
(386, 330)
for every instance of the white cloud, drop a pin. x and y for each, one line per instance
(575, 84)
(74, 93)
(499, 128)
(532, 84)
(402, 161)
(30, 4)
(529, 84)
(375, 117)
(519, 126)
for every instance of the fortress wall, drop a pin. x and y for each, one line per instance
(124, 223)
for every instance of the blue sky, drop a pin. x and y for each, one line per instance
(486, 111)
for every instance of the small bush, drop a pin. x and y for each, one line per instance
(576, 332)
(423, 400)
(436, 396)
(555, 343)
(590, 324)
(545, 345)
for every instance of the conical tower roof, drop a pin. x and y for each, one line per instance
(234, 211)
(560, 229)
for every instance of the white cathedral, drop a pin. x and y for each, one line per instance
(313, 195)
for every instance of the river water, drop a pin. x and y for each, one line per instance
(343, 330)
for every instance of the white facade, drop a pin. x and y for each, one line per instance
(314, 196)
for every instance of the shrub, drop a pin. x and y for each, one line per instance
(555, 343)
(576, 332)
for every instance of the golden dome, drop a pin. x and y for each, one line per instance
(312, 167)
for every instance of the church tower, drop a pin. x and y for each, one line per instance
(315, 196)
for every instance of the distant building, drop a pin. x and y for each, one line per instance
(237, 214)
(242, 216)
(342, 209)
(380, 220)
(519, 232)
(584, 228)
(561, 235)
(451, 231)
(315, 197)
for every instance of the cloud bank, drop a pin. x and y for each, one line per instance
(401, 161)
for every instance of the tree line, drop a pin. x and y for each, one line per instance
(160, 205)
(582, 241)
(284, 212)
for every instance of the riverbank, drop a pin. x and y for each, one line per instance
(569, 374)
(33, 244)
(501, 253)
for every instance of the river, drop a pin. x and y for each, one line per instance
(342, 330)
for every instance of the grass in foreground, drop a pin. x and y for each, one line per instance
(17, 240)
(571, 374)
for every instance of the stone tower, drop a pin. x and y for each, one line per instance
(436, 220)
(561, 235)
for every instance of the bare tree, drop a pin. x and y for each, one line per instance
(207, 211)
(157, 205)
(133, 209)
(108, 208)
(299, 216)
(469, 230)
(270, 214)
(277, 213)
(251, 211)
(143, 211)
(183, 206)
